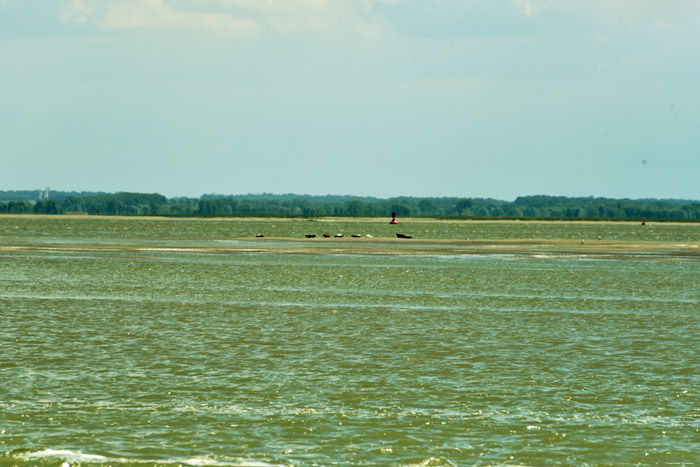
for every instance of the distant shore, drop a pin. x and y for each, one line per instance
(380, 220)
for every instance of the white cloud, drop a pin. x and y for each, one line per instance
(277, 6)
(77, 12)
(526, 6)
(153, 15)
(333, 18)
(337, 18)
(625, 13)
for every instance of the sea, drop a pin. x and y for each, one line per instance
(155, 354)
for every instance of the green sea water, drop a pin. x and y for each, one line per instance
(184, 358)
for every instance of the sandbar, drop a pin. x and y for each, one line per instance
(610, 249)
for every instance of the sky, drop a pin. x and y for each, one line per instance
(427, 98)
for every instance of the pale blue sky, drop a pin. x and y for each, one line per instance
(470, 98)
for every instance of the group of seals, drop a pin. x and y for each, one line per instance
(339, 235)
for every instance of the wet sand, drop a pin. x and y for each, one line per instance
(388, 246)
(689, 251)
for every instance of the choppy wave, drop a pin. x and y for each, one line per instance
(70, 458)
(74, 458)
(169, 359)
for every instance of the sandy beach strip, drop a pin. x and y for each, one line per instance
(612, 249)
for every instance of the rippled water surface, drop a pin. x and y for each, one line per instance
(287, 359)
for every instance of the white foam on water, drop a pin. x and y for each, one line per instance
(66, 454)
(78, 457)
(203, 461)
(435, 462)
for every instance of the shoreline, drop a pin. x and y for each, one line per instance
(380, 220)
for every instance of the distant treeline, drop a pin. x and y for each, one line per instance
(140, 204)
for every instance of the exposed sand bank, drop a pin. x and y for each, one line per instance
(378, 245)
(394, 246)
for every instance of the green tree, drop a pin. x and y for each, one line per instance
(356, 208)
(19, 207)
(427, 207)
(463, 207)
(401, 209)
